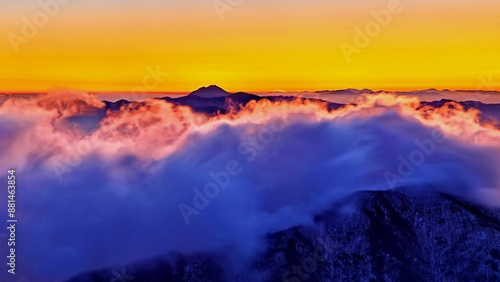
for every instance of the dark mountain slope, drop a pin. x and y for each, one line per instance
(394, 235)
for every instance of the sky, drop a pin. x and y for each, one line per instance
(99, 188)
(243, 45)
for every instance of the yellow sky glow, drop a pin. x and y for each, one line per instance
(258, 46)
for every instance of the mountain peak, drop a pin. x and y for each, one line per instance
(211, 91)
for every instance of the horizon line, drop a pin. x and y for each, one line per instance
(170, 92)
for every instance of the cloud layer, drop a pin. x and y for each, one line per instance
(99, 189)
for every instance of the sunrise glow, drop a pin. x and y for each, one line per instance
(252, 46)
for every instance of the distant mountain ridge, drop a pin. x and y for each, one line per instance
(212, 91)
(414, 92)
(213, 99)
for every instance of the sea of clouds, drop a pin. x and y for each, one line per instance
(99, 188)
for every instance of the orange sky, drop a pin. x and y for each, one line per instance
(258, 46)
